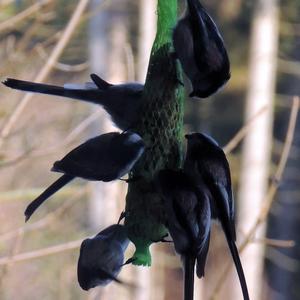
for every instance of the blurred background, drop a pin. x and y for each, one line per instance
(59, 41)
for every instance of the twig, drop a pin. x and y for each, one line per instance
(71, 137)
(61, 66)
(44, 221)
(269, 198)
(13, 161)
(44, 72)
(40, 253)
(232, 144)
(11, 22)
(25, 194)
(276, 243)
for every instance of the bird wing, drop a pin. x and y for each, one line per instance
(216, 172)
(204, 223)
(89, 160)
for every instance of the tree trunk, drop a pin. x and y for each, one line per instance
(147, 30)
(108, 38)
(257, 144)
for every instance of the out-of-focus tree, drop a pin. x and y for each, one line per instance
(257, 144)
(282, 264)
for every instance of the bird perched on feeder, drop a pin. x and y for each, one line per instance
(200, 49)
(104, 158)
(102, 257)
(122, 101)
(188, 215)
(206, 163)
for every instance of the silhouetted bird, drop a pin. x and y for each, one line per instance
(104, 158)
(102, 257)
(206, 162)
(121, 101)
(188, 217)
(200, 49)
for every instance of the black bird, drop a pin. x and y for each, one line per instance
(201, 51)
(206, 161)
(188, 217)
(102, 257)
(104, 158)
(121, 101)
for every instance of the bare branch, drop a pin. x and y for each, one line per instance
(25, 194)
(71, 137)
(232, 144)
(48, 219)
(60, 66)
(276, 243)
(28, 12)
(40, 253)
(45, 71)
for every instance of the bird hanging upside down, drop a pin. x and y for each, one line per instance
(200, 49)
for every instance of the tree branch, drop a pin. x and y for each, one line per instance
(45, 71)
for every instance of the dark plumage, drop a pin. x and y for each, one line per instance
(121, 101)
(188, 221)
(104, 158)
(200, 49)
(206, 162)
(101, 257)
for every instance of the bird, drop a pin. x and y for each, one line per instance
(102, 257)
(188, 220)
(205, 161)
(103, 158)
(200, 49)
(123, 102)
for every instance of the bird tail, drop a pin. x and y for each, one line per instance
(53, 188)
(80, 93)
(189, 266)
(239, 268)
(201, 258)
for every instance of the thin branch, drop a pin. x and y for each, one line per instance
(269, 198)
(28, 12)
(40, 253)
(232, 144)
(71, 137)
(25, 194)
(61, 66)
(276, 243)
(48, 219)
(15, 160)
(45, 71)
